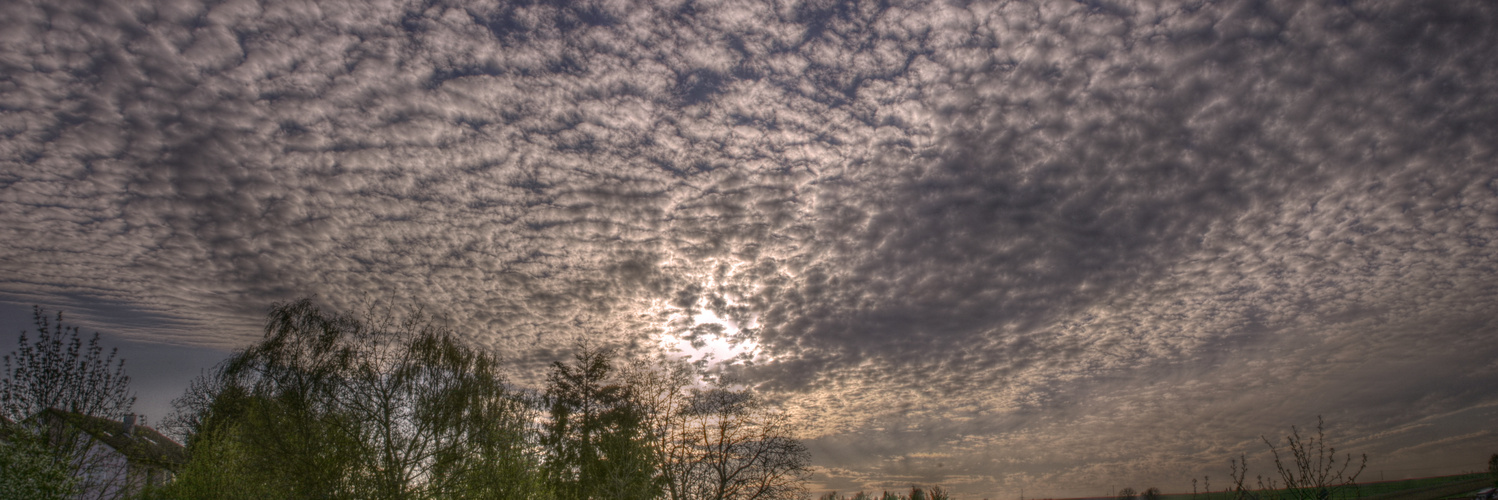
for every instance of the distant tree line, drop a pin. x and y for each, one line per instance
(334, 406)
(915, 493)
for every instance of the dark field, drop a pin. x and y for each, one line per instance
(1427, 488)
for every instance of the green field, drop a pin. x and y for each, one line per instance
(1428, 488)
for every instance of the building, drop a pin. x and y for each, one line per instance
(115, 457)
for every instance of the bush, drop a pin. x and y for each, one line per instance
(30, 470)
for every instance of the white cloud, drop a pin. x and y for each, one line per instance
(1063, 243)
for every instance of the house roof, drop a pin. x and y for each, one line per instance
(143, 444)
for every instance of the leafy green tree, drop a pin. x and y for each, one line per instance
(334, 406)
(221, 467)
(596, 439)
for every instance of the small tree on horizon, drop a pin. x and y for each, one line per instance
(1493, 468)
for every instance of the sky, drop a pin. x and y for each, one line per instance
(1053, 247)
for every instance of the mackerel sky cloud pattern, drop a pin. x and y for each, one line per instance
(1064, 246)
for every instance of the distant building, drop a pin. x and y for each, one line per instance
(120, 457)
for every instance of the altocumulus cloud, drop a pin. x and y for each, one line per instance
(1051, 245)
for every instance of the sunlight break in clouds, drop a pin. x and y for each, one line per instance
(712, 331)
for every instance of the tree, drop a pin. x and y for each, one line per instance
(661, 385)
(335, 406)
(58, 370)
(714, 441)
(1314, 474)
(743, 450)
(1151, 493)
(1493, 468)
(1126, 494)
(596, 437)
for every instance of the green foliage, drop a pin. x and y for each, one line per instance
(222, 467)
(595, 438)
(330, 406)
(28, 469)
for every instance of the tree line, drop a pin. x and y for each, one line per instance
(335, 406)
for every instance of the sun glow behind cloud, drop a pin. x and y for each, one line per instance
(711, 340)
(713, 330)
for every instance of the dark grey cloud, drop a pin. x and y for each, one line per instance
(994, 245)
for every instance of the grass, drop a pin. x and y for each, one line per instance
(1385, 487)
(1363, 490)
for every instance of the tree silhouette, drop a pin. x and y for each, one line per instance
(57, 369)
(1493, 468)
(596, 438)
(1314, 475)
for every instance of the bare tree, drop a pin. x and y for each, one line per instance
(1314, 475)
(58, 370)
(1238, 473)
(741, 448)
(662, 386)
(713, 441)
(191, 408)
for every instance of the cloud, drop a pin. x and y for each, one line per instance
(1034, 242)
